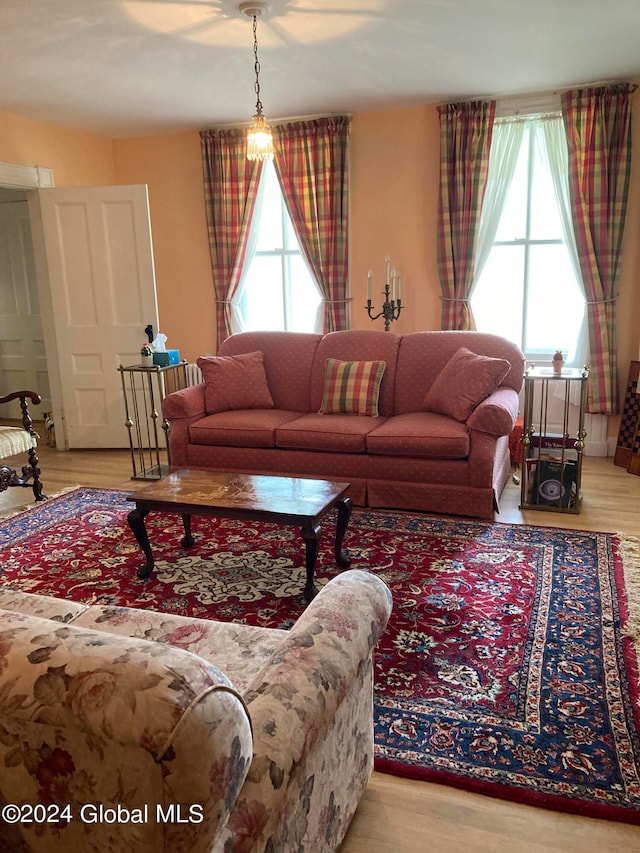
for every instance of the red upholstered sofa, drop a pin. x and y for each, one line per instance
(406, 458)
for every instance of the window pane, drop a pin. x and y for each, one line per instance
(290, 236)
(498, 297)
(555, 305)
(261, 304)
(278, 291)
(271, 219)
(304, 298)
(513, 222)
(545, 217)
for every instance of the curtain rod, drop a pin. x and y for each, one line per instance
(524, 96)
(287, 120)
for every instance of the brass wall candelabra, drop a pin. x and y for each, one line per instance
(392, 305)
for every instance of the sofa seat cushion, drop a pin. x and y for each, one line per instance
(239, 651)
(242, 428)
(338, 433)
(425, 435)
(44, 606)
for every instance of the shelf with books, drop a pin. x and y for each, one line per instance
(552, 469)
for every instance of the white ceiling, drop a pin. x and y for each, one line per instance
(135, 67)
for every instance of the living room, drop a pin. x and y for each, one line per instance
(394, 151)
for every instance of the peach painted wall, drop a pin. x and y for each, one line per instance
(77, 159)
(394, 204)
(171, 166)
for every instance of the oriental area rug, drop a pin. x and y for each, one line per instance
(508, 667)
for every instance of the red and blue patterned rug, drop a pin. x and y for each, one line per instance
(504, 669)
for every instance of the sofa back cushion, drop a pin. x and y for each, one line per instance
(288, 360)
(423, 355)
(357, 345)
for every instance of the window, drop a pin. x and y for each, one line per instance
(278, 291)
(527, 289)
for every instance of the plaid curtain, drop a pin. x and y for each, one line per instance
(598, 127)
(465, 140)
(230, 188)
(311, 164)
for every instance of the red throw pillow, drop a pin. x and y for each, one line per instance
(352, 387)
(235, 382)
(465, 380)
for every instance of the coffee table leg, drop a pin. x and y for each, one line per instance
(311, 536)
(187, 539)
(136, 523)
(344, 514)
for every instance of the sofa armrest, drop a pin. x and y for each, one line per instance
(497, 414)
(186, 403)
(295, 699)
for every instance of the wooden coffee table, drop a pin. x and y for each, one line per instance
(287, 500)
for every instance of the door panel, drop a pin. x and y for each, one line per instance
(99, 256)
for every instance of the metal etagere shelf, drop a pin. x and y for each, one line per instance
(552, 456)
(144, 389)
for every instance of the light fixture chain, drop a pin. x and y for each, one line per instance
(256, 66)
(259, 135)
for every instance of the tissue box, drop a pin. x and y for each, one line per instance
(174, 356)
(161, 359)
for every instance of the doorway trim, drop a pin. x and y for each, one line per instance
(17, 177)
(13, 176)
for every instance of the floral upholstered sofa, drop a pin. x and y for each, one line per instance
(131, 730)
(418, 421)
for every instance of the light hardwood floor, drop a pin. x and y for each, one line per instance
(403, 816)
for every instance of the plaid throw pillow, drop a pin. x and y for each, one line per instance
(352, 387)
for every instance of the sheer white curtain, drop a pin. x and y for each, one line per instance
(551, 142)
(505, 147)
(238, 319)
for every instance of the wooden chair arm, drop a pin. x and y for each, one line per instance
(19, 395)
(27, 423)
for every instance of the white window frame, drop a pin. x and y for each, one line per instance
(285, 253)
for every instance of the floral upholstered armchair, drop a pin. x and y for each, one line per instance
(125, 729)
(15, 440)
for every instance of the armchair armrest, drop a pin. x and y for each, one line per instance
(325, 662)
(147, 724)
(497, 414)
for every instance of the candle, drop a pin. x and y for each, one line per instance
(387, 261)
(393, 285)
(369, 286)
(399, 288)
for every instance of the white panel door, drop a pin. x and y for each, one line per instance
(99, 255)
(23, 363)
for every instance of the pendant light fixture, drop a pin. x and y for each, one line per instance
(259, 136)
